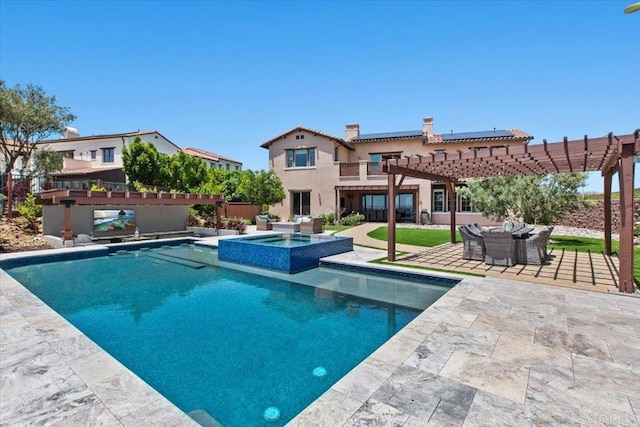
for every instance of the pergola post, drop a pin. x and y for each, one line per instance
(67, 233)
(451, 189)
(391, 218)
(625, 255)
(608, 176)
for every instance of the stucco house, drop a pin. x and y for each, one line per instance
(100, 156)
(214, 160)
(323, 173)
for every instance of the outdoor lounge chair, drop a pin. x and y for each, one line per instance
(472, 244)
(311, 225)
(500, 248)
(263, 223)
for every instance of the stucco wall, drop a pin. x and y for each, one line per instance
(321, 179)
(149, 219)
(325, 175)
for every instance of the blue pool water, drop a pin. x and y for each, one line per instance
(228, 342)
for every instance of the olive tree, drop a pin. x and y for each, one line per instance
(27, 116)
(534, 199)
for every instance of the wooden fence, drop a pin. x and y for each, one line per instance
(239, 210)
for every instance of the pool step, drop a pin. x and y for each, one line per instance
(176, 260)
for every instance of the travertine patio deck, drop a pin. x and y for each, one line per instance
(581, 270)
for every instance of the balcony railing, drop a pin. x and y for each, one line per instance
(374, 168)
(349, 169)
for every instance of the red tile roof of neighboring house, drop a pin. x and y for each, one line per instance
(107, 136)
(315, 132)
(207, 155)
(85, 171)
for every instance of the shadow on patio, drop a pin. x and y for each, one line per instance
(580, 270)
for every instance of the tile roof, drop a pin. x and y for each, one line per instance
(315, 132)
(208, 155)
(85, 171)
(106, 136)
(408, 134)
(478, 136)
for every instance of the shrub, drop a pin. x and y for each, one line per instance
(636, 229)
(352, 219)
(31, 212)
(193, 221)
(210, 223)
(236, 224)
(329, 218)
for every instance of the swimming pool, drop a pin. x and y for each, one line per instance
(219, 340)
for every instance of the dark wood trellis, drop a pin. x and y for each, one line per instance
(609, 155)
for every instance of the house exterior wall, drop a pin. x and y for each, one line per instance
(323, 178)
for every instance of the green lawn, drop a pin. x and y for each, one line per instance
(415, 236)
(429, 238)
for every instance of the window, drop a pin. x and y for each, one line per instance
(227, 165)
(94, 154)
(301, 203)
(464, 204)
(299, 136)
(301, 158)
(439, 201)
(336, 154)
(108, 155)
(237, 167)
(66, 154)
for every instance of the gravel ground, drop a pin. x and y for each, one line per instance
(558, 230)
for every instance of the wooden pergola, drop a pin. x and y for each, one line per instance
(609, 155)
(69, 198)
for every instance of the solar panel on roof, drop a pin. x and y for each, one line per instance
(391, 134)
(479, 134)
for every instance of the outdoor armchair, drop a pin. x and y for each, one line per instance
(263, 223)
(533, 250)
(311, 225)
(472, 244)
(500, 248)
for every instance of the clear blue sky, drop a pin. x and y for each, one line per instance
(227, 76)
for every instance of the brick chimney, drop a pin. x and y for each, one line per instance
(352, 132)
(427, 126)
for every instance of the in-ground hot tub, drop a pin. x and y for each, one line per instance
(284, 252)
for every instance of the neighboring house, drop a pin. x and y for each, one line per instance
(322, 173)
(100, 156)
(214, 160)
